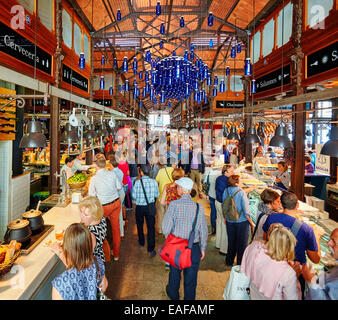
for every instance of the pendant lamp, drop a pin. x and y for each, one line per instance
(280, 139)
(69, 134)
(33, 138)
(90, 133)
(330, 148)
(233, 135)
(252, 136)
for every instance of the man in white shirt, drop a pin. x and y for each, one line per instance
(78, 166)
(105, 185)
(66, 170)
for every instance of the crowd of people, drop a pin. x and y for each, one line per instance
(272, 253)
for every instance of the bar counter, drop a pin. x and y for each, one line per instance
(31, 275)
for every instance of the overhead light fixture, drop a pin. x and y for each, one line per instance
(233, 135)
(33, 138)
(69, 134)
(280, 139)
(330, 148)
(252, 137)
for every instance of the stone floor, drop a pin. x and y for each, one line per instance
(136, 276)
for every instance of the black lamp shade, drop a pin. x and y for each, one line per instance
(280, 139)
(233, 135)
(330, 148)
(34, 126)
(33, 140)
(252, 136)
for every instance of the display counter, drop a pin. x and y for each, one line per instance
(31, 275)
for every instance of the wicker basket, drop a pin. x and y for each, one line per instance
(6, 267)
(77, 185)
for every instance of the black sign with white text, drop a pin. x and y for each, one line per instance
(229, 104)
(105, 102)
(273, 80)
(18, 47)
(323, 60)
(73, 78)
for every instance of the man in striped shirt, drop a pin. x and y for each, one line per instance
(178, 220)
(142, 209)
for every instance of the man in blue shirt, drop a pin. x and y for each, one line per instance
(220, 185)
(142, 209)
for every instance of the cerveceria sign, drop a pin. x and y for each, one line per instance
(229, 104)
(273, 80)
(322, 60)
(18, 47)
(73, 78)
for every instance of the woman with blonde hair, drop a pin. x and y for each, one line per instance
(80, 280)
(268, 265)
(91, 214)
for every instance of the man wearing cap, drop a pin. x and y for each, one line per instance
(178, 220)
(142, 209)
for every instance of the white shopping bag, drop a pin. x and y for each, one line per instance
(237, 285)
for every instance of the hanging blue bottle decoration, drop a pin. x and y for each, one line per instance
(140, 75)
(135, 64)
(192, 55)
(253, 86)
(151, 95)
(227, 71)
(125, 64)
(239, 48)
(82, 61)
(162, 97)
(222, 86)
(144, 92)
(161, 44)
(177, 72)
(192, 47)
(127, 85)
(141, 103)
(174, 53)
(103, 60)
(102, 83)
(182, 22)
(247, 67)
(158, 8)
(210, 19)
(186, 55)
(233, 52)
(155, 100)
(120, 88)
(169, 105)
(146, 76)
(208, 79)
(196, 85)
(115, 63)
(162, 28)
(211, 43)
(118, 15)
(205, 99)
(111, 91)
(216, 81)
(214, 91)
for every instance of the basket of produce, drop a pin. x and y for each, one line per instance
(8, 254)
(77, 181)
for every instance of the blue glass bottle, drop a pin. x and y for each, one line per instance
(118, 15)
(239, 48)
(253, 86)
(210, 19)
(216, 81)
(227, 71)
(162, 28)
(192, 55)
(127, 85)
(247, 67)
(182, 22)
(211, 43)
(111, 91)
(103, 60)
(125, 65)
(158, 8)
(222, 86)
(162, 97)
(233, 52)
(161, 44)
(102, 83)
(135, 64)
(82, 61)
(214, 91)
(140, 75)
(115, 63)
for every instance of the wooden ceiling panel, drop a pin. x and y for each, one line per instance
(221, 8)
(243, 13)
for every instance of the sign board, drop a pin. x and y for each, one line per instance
(229, 104)
(322, 162)
(273, 79)
(73, 78)
(322, 60)
(18, 47)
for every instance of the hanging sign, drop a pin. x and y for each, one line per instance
(322, 60)
(229, 104)
(73, 78)
(18, 47)
(105, 102)
(322, 161)
(273, 80)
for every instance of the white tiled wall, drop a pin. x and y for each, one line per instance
(20, 193)
(5, 181)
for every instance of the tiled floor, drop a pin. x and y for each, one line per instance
(136, 276)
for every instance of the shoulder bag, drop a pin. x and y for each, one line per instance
(170, 179)
(177, 251)
(151, 206)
